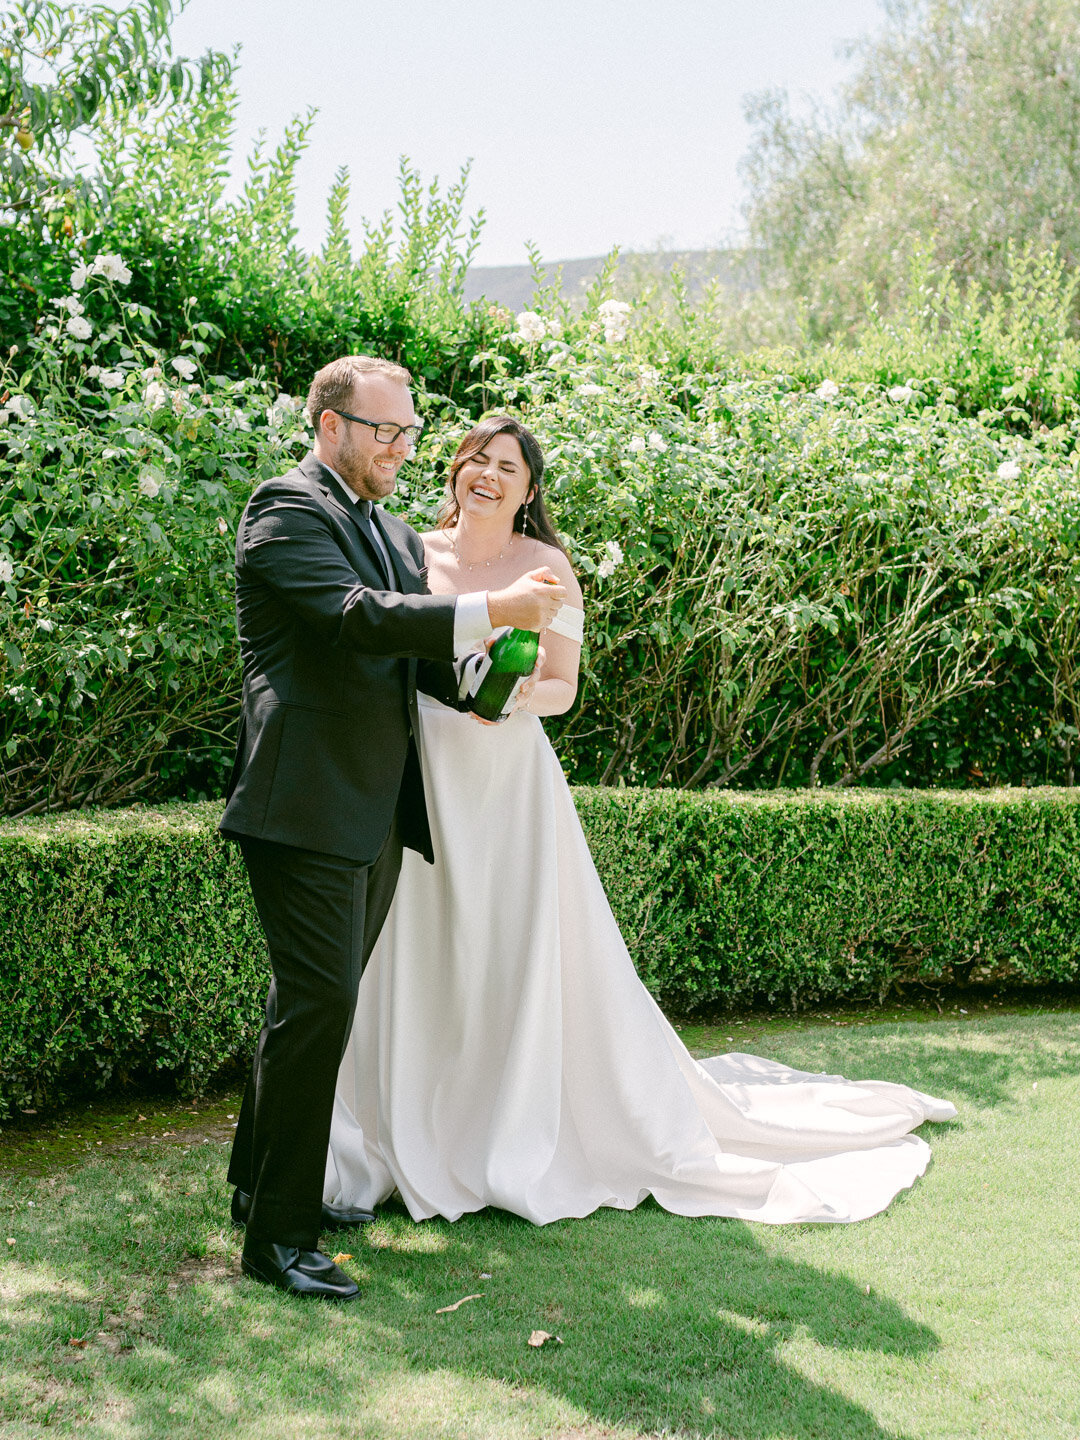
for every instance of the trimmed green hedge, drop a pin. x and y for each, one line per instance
(131, 945)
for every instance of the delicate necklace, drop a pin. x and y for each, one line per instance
(467, 565)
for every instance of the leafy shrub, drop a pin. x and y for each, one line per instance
(122, 481)
(810, 566)
(807, 896)
(234, 264)
(1010, 355)
(133, 948)
(797, 586)
(785, 585)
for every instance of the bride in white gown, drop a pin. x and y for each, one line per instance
(504, 1051)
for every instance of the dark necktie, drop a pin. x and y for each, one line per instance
(366, 523)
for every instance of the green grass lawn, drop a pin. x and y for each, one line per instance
(122, 1312)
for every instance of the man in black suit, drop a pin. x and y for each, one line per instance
(334, 616)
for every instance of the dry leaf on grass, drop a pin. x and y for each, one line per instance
(445, 1309)
(341, 1257)
(541, 1337)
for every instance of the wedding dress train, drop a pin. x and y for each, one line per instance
(505, 1053)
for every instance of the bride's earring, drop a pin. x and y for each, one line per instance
(524, 521)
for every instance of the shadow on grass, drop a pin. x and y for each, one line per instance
(666, 1324)
(689, 1327)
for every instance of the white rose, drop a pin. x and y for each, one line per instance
(7, 572)
(530, 327)
(155, 395)
(590, 390)
(637, 445)
(112, 267)
(605, 569)
(901, 394)
(827, 390)
(148, 485)
(20, 406)
(615, 318)
(184, 367)
(112, 379)
(657, 442)
(79, 276)
(71, 303)
(615, 550)
(79, 328)
(1009, 470)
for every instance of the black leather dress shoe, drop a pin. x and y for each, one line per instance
(297, 1272)
(332, 1218)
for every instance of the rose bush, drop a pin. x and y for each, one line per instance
(789, 580)
(122, 472)
(795, 585)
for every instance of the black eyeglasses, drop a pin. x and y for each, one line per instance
(385, 431)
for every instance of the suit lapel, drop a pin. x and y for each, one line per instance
(343, 505)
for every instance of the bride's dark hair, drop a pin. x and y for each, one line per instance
(533, 511)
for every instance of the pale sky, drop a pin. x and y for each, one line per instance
(590, 123)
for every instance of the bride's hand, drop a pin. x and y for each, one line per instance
(530, 603)
(528, 685)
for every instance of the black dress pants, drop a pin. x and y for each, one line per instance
(321, 915)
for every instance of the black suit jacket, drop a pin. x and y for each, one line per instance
(326, 743)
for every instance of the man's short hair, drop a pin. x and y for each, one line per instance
(332, 388)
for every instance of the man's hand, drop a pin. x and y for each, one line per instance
(530, 603)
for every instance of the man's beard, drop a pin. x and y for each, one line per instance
(357, 472)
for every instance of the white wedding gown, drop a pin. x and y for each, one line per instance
(505, 1053)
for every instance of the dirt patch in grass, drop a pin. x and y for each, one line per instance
(594, 1432)
(200, 1270)
(33, 1145)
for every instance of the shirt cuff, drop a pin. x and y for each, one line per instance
(472, 624)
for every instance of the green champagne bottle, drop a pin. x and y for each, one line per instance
(510, 659)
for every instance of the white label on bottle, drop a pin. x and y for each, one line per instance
(476, 667)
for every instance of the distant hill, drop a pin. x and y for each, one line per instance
(513, 286)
